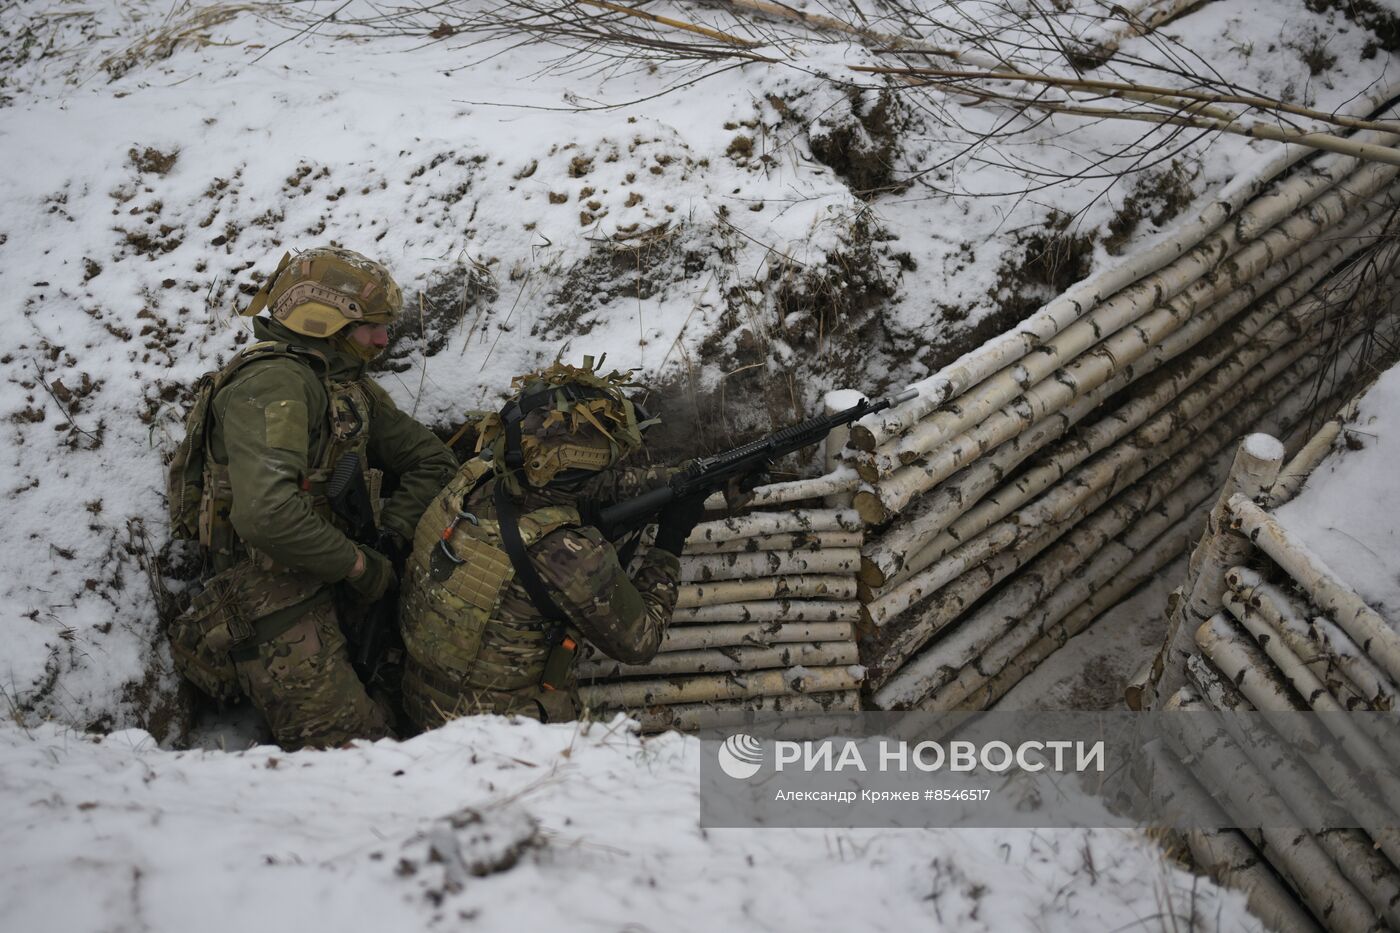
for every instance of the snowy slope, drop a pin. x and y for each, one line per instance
(114, 834)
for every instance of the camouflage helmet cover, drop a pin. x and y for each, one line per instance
(318, 292)
(571, 418)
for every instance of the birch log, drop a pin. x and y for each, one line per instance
(1252, 474)
(708, 687)
(1100, 42)
(888, 554)
(1371, 682)
(788, 541)
(1247, 592)
(1225, 854)
(755, 524)
(724, 660)
(743, 591)
(695, 637)
(978, 364)
(690, 717)
(1293, 476)
(1212, 757)
(745, 566)
(795, 610)
(842, 480)
(1370, 632)
(896, 599)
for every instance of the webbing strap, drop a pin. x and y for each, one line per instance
(275, 623)
(508, 519)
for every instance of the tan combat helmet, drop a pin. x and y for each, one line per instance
(318, 292)
(563, 421)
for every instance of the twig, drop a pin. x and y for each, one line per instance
(675, 23)
(62, 409)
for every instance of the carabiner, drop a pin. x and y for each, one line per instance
(447, 535)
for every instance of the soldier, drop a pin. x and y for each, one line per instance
(507, 574)
(263, 438)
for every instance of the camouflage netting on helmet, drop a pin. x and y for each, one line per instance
(318, 292)
(571, 418)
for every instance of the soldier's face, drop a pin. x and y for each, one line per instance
(371, 337)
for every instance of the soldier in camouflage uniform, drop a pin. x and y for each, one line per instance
(480, 637)
(250, 481)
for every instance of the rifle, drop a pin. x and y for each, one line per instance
(707, 474)
(369, 632)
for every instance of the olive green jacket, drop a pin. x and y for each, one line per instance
(269, 453)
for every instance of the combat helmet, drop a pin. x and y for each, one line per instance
(563, 423)
(318, 292)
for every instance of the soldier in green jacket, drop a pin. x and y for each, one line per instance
(487, 631)
(250, 481)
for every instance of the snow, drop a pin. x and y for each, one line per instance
(1264, 447)
(105, 833)
(1346, 511)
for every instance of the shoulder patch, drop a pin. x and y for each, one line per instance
(286, 426)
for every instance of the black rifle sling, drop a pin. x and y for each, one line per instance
(508, 519)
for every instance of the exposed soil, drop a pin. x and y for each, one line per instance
(1382, 23)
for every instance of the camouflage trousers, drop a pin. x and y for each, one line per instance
(305, 687)
(432, 698)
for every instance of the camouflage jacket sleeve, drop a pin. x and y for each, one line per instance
(624, 618)
(266, 415)
(411, 452)
(612, 486)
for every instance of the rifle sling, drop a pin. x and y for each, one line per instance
(508, 518)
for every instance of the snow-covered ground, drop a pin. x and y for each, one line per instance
(112, 833)
(1348, 511)
(159, 158)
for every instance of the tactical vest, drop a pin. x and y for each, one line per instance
(464, 654)
(199, 492)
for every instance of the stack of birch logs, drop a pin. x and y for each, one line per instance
(1287, 636)
(1043, 476)
(1039, 479)
(765, 621)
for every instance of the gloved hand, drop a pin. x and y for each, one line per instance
(375, 579)
(393, 547)
(676, 522)
(738, 492)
